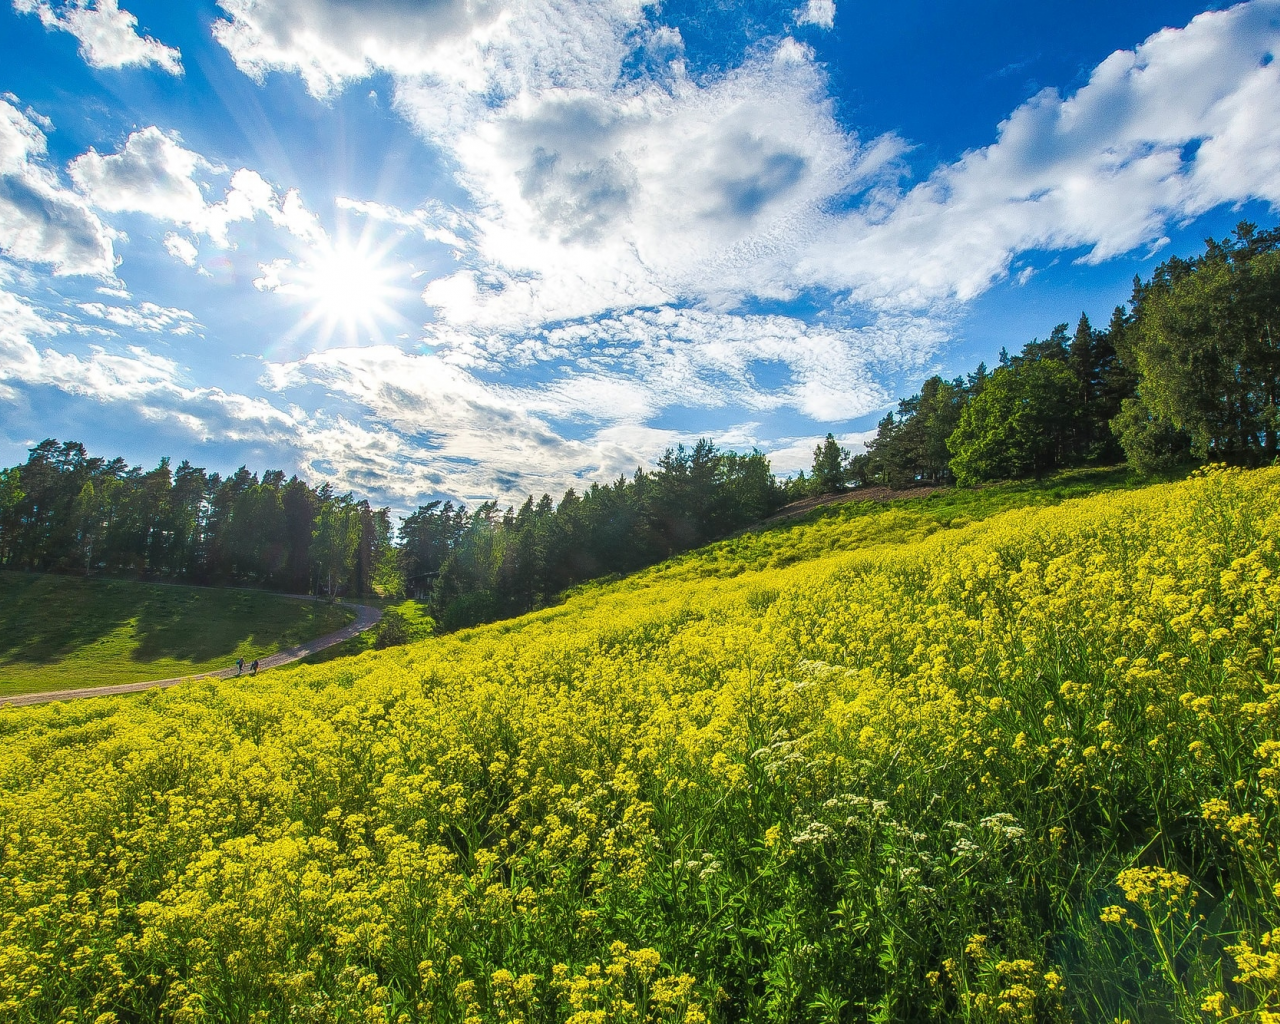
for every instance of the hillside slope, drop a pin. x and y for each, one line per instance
(60, 632)
(886, 766)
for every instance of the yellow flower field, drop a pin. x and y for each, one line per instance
(872, 769)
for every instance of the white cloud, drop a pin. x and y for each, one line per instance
(154, 175)
(483, 446)
(607, 201)
(620, 219)
(466, 48)
(40, 221)
(249, 195)
(596, 188)
(151, 385)
(329, 44)
(108, 36)
(477, 439)
(433, 220)
(695, 359)
(147, 317)
(415, 424)
(651, 194)
(181, 249)
(101, 375)
(474, 440)
(817, 12)
(273, 274)
(19, 322)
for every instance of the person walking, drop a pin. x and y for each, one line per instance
(253, 669)
(239, 666)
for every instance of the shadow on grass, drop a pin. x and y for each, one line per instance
(46, 619)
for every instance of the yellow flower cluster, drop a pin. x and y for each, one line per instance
(1152, 887)
(994, 990)
(627, 990)
(849, 770)
(1260, 974)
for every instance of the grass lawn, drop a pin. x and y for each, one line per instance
(59, 632)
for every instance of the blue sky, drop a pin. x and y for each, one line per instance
(482, 248)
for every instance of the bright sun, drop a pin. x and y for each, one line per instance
(349, 291)
(348, 284)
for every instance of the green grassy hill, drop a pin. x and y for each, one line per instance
(1000, 756)
(59, 632)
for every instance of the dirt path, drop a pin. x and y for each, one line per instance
(366, 617)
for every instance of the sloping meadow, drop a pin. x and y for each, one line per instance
(1020, 769)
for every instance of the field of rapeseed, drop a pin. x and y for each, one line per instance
(882, 768)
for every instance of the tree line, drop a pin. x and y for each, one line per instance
(486, 564)
(1188, 372)
(64, 510)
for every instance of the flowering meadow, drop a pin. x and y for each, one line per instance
(883, 767)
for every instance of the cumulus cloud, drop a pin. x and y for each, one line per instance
(249, 195)
(623, 212)
(102, 375)
(154, 175)
(328, 43)
(108, 36)
(40, 221)
(657, 193)
(19, 323)
(817, 12)
(596, 187)
(647, 194)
